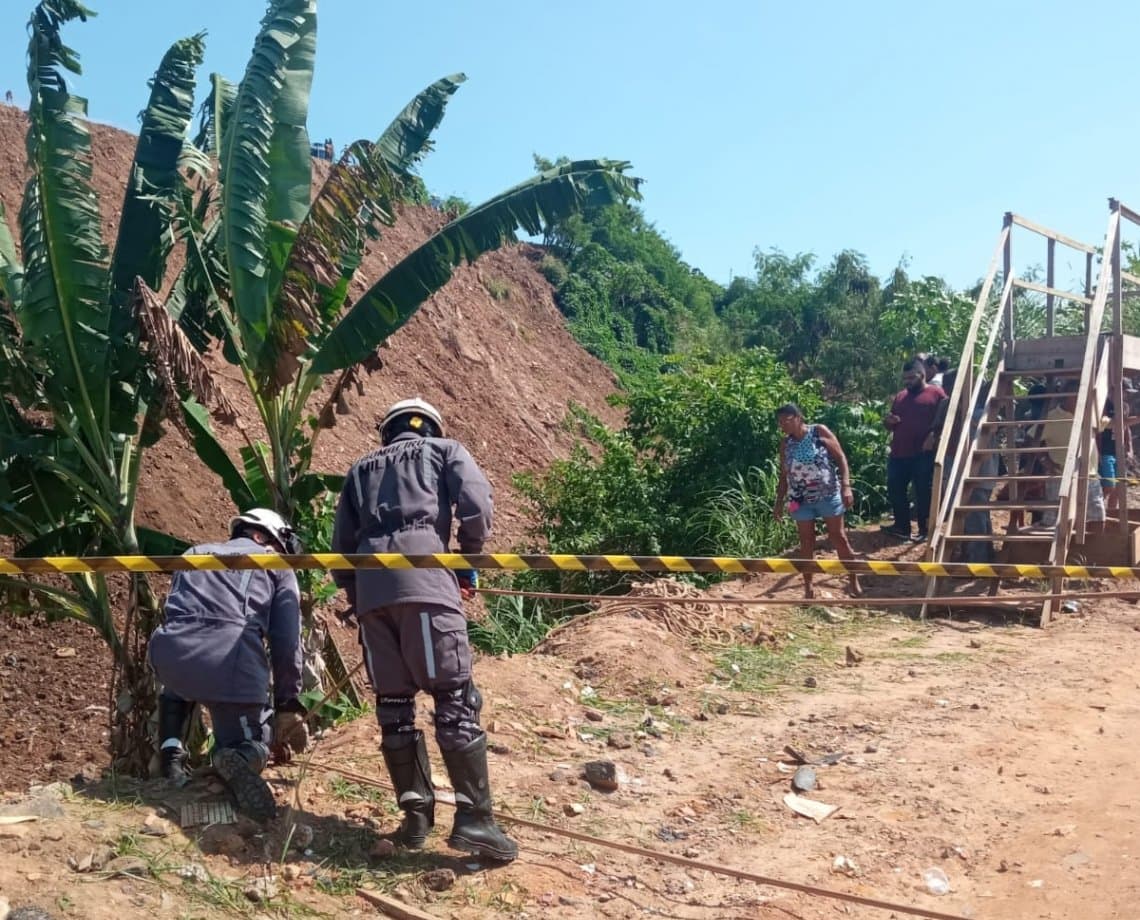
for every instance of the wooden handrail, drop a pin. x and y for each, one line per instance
(1080, 425)
(974, 388)
(1125, 211)
(965, 375)
(1051, 291)
(1052, 234)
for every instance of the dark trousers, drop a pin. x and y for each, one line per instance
(901, 472)
(412, 647)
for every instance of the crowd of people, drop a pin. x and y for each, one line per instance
(815, 481)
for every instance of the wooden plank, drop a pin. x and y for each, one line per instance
(1051, 292)
(1007, 506)
(1010, 450)
(1130, 278)
(1126, 212)
(959, 408)
(1088, 285)
(1032, 354)
(1052, 234)
(1010, 477)
(1050, 283)
(999, 537)
(1131, 358)
(1019, 398)
(392, 907)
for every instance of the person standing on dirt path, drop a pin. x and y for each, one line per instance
(211, 649)
(400, 499)
(815, 479)
(911, 424)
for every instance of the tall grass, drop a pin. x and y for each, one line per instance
(513, 625)
(738, 521)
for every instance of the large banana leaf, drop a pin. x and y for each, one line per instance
(36, 480)
(290, 158)
(249, 181)
(211, 452)
(16, 374)
(358, 194)
(64, 313)
(215, 115)
(11, 268)
(547, 198)
(408, 138)
(154, 186)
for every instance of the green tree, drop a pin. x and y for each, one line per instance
(79, 405)
(923, 314)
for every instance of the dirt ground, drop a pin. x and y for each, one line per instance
(997, 752)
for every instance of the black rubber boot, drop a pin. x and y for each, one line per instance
(475, 830)
(407, 761)
(173, 714)
(241, 768)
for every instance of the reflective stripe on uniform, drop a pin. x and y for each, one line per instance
(429, 652)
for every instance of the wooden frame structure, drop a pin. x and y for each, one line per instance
(1002, 353)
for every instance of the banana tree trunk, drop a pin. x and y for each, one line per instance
(134, 691)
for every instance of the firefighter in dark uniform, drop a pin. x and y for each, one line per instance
(211, 649)
(404, 498)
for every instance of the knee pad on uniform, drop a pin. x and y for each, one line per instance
(396, 715)
(457, 715)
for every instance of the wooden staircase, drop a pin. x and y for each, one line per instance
(993, 421)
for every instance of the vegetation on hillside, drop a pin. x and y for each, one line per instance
(704, 366)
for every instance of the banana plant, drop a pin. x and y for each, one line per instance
(270, 266)
(79, 400)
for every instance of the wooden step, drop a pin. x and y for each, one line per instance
(998, 538)
(1019, 423)
(1013, 450)
(996, 398)
(1010, 477)
(1011, 506)
(1013, 372)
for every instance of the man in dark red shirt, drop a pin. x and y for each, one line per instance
(910, 422)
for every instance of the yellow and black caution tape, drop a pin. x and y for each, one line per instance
(517, 562)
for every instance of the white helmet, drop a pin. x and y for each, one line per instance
(272, 524)
(414, 407)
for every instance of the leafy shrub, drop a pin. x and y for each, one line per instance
(553, 270)
(860, 430)
(603, 498)
(497, 288)
(457, 205)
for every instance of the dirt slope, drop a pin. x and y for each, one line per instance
(502, 371)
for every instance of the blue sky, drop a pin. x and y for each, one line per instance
(900, 130)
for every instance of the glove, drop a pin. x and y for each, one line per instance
(290, 733)
(468, 581)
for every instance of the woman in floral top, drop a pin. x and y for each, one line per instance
(815, 481)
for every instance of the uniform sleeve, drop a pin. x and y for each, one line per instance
(471, 493)
(346, 526)
(285, 651)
